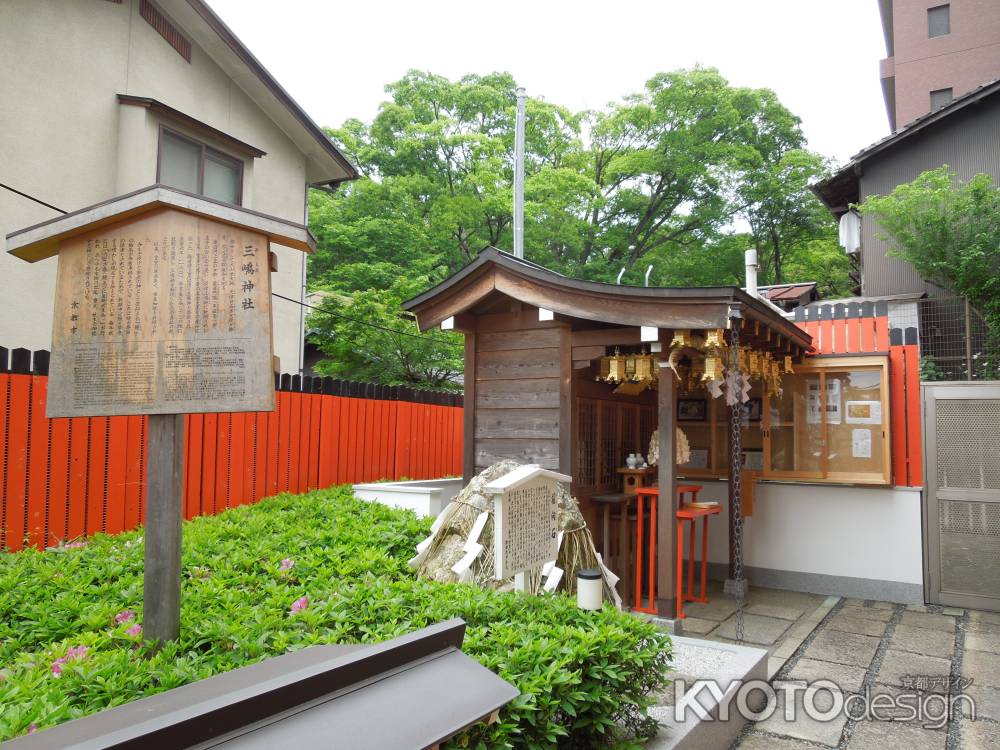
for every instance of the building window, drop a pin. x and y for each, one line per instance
(192, 166)
(939, 21)
(940, 98)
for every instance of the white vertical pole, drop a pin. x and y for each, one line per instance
(750, 259)
(519, 176)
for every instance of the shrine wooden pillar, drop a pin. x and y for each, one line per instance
(666, 510)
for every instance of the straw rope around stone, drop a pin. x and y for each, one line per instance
(576, 552)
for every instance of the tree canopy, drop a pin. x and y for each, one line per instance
(683, 175)
(949, 231)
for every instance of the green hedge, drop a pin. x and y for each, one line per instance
(586, 678)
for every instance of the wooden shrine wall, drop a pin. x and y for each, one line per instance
(521, 401)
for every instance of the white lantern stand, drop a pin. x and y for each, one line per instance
(589, 589)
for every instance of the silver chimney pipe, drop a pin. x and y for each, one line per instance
(648, 271)
(519, 176)
(750, 259)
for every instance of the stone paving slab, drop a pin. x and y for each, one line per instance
(983, 641)
(987, 702)
(892, 735)
(843, 648)
(982, 667)
(895, 707)
(697, 626)
(930, 621)
(717, 609)
(978, 616)
(851, 623)
(980, 626)
(923, 641)
(793, 638)
(776, 610)
(783, 598)
(867, 613)
(848, 678)
(803, 726)
(870, 604)
(979, 735)
(757, 629)
(901, 664)
(767, 742)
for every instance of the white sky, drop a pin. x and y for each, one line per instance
(820, 56)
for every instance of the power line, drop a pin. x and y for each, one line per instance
(275, 294)
(32, 198)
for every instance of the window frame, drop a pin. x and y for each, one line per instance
(718, 422)
(951, 98)
(947, 7)
(205, 152)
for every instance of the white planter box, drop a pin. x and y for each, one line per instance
(425, 497)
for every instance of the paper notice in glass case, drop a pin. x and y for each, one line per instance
(833, 401)
(864, 412)
(861, 443)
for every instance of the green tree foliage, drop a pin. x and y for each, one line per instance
(367, 337)
(949, 231)
(668, 176)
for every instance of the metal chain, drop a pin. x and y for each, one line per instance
(736, 441)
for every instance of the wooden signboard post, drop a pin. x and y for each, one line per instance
(163, 308)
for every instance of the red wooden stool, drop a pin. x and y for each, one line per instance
(684, 514)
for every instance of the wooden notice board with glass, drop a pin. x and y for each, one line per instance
(829, 424)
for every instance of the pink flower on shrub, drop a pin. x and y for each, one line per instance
(125, 615)
(299, 604)
(74, 653)
(75, 545)
(32, 729)
(287, 564)
(134, 631)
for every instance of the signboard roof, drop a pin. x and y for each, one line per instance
(523, 474)
(42, 240)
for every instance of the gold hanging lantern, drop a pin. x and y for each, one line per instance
(713, 368)
(715, 339)
(612, 368)
(633, 373)
(682, 338)
(788, 365)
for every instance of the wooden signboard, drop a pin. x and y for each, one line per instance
(166, 313)
(525, 519)
(162, 307)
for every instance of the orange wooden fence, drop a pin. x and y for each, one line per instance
(67, 478)
(863, 328)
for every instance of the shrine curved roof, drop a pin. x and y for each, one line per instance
(663, 307)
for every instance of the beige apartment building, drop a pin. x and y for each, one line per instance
(935, 52)
(103, 97)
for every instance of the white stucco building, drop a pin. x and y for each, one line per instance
(103, 97)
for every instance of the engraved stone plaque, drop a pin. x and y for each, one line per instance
(166, 313)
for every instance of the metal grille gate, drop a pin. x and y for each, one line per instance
(962, 489)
